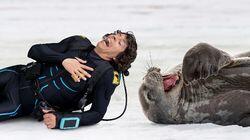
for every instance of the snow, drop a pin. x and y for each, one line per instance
(165, 30)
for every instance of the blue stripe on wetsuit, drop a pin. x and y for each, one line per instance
(66, 85)
(54, 82)
(36, 103)
(43, 88)
(41, 77)
(11, 113)
(51, 73)
(3, 70)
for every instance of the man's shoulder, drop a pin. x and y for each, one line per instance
(78, 42)
(112, 77)
(78, 38)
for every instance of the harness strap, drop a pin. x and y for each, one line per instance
(126, 102)
(96, 75)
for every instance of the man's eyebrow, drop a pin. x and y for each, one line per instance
(125, 42)
(124, 39)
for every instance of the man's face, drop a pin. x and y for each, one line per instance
(113, 44)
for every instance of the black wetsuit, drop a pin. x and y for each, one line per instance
(55, 85)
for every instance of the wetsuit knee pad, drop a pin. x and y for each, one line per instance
(69, 123)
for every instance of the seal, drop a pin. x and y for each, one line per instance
(210, 86)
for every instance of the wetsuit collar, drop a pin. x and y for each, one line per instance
(96, 56)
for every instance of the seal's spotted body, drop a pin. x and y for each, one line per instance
(220, 95)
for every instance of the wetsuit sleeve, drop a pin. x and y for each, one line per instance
(56, 52)
(102, 94)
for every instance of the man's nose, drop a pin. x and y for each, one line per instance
(118, 38)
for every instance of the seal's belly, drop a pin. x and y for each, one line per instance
(224, 109)
(228, 79)
(221, 99)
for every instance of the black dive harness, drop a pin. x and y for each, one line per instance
(126, 101)
(97, 74)
(33, 69)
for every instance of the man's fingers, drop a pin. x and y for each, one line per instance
(75, 77)
(45, 117)
(49, 125)
(84, 73)
(49, 121)
(82, 76)
(81, 71)
(46, 121)
(80, 60)
(87, 67)
(47, 111)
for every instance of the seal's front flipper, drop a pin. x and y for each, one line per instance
(202, 61)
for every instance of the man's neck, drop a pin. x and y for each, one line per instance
(101, 54)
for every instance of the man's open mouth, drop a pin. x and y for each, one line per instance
(106, 41)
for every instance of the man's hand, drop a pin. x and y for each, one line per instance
(77, 68)
(49, 119)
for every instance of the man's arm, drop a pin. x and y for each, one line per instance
(102, 94)
(55, 52)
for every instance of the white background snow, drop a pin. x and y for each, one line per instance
(165, 30)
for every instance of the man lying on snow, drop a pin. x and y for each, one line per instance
(66, 77)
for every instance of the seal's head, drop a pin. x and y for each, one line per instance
(157, 95)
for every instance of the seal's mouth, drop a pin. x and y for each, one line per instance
(169, 81)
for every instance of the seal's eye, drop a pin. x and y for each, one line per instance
(149, 96)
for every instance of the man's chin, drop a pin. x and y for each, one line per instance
(102, 45)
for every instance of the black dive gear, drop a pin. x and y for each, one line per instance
(55, 86)
(32, 70)
(126, 101)
(69, 123)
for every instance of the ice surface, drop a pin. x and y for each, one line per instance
(165, 29)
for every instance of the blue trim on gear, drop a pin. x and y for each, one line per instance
(3, 70)
(39, 78)
(13, 113)
(51, 73)
(43, 88)
(54, 82)
(35, 103)
(63, 120)
(56, 68)
(66, 85)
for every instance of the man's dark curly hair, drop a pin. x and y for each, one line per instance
(123, 60)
